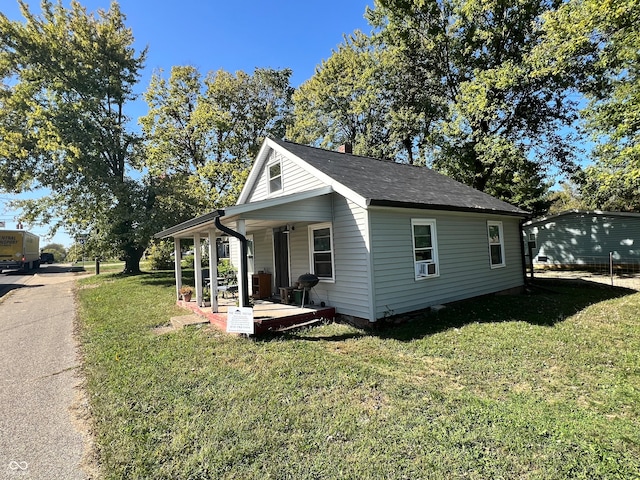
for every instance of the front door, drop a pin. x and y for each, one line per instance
(281, 256)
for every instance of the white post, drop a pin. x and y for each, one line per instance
(611, 266)
(197, 265)
(178, 269)
(241, 228)
(213, 270)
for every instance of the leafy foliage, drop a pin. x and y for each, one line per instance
(450, 84)
(159, 255)
(67, 77)
(203, 134)
(491, 109)
(341, 103)
(567, 198)
(598, 43)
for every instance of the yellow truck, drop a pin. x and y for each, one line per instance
(19, 250)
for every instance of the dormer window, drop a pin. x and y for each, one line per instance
(275, 177)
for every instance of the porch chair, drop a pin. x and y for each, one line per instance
(230, 285)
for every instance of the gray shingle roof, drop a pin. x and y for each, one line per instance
(386, 183)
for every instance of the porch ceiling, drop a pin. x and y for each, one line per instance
(257, 216)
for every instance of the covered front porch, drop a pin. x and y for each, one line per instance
(268, 316)
(269, 249)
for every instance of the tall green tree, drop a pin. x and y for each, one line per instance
(487, 103)
(343, 102)
(567, 198)
(67, 79)
(598, 43)
(203, 134)
(452, 84)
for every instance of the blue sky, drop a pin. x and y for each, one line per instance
(222, 34)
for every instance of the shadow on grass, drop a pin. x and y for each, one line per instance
(301, 335)
(162, 278)
(546, 303)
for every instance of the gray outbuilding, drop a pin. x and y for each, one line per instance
(585, 239)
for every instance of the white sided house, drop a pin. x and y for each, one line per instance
(383, 238)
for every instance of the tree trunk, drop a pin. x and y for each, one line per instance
(132, 258)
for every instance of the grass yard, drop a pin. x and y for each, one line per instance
(538, 386)
(109, 266)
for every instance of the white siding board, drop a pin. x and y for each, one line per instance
(263, 252)
(350, 293)
(294, 179)
(317, 209)
(299, 251)
(463, 255)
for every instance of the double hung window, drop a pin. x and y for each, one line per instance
(275, 177)
(321, 251)
(425, 248)
(496, 244)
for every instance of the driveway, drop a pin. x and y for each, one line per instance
(41, 403)
(631, 281)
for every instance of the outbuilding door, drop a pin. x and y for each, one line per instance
(281, 256)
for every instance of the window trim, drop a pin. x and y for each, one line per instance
(270, 179)
(434, 248)
(311, 229)
(494, 223)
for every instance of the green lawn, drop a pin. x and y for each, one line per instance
(109, 266)
(544, 385)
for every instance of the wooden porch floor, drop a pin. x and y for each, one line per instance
(268, 316)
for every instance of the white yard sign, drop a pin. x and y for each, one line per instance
(240, 320)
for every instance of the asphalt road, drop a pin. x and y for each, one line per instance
(11, 280)
(41, 434)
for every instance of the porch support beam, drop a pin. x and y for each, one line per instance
(243, 279)
(178, 266)
(213, 270)
(197, 264)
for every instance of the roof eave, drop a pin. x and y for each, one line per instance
(451, 208)
(194, 222)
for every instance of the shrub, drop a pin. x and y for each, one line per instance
(160, 255)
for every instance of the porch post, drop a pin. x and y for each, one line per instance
(197, 263)
(178, 269)
(241, 228)
(213, 270)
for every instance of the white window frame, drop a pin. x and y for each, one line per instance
(312, 251)
(421, 268)
(503, 263)
(270, 179)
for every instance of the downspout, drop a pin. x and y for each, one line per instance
(522, 251)
(244, 268)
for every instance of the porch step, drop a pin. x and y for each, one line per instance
(183, 320)
(299, 325)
